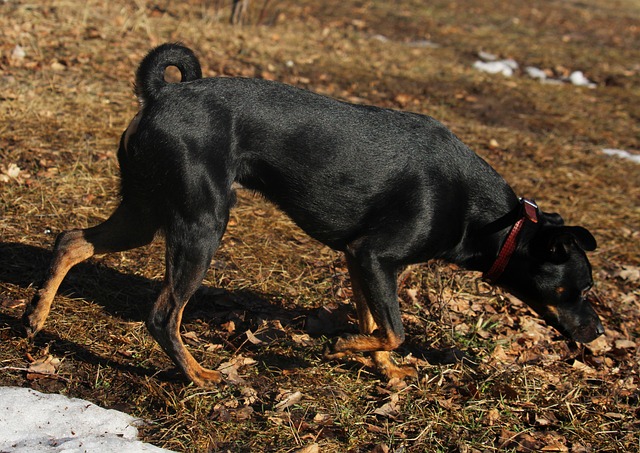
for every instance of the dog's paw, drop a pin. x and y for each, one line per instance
(330, 353)
(401, 372)
(31, 324)
(206, 378)
(390, 369)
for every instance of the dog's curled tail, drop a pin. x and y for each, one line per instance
(150, 73)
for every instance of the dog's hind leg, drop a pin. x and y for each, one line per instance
(124, 230)
(374, 292)
(190, 248)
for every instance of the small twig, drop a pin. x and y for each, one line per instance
(38, 373)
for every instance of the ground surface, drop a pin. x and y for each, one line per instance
(65, 98)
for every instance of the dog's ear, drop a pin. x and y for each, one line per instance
(553, 218)
(583, 237)
(558, 246)
(563, 238)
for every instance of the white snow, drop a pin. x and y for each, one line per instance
(504, 67)
(535, 73)
(623, 154)
(34, 422)
(486, 56)
(490, 63)
(579, 79)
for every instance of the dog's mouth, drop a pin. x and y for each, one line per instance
(579, 323)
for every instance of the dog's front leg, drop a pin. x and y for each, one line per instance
(374, 288)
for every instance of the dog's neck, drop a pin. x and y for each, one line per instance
(481, 244)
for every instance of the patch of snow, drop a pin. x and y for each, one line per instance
(504, 67)
(490, 63)
(486, 56)
(34, 422)
(578, 79)
(535, 73)
(622, 154)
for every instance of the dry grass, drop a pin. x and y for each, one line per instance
(64, 105)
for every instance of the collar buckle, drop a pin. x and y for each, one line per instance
(530, 209)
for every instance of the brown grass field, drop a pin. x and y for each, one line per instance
(65, 100)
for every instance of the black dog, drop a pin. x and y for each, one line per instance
(387, 188)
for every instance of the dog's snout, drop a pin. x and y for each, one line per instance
(600, 329)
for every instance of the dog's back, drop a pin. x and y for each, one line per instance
(336, 168)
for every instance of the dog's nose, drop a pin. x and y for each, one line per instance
(599, 329)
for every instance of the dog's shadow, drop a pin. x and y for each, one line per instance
(130, 297)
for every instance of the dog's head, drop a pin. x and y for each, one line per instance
(550, 272)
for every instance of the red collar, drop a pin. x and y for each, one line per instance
(530, 212)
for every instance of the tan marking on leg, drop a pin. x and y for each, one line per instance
(390, 369)
(167, 334)
(71, 249)
(370, 338)
(120, 232)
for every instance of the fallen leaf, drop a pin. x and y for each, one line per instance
(303, 339)
(504, 390)
(191, 338)
(45, 365)
(630, 273)
(229, 326)
(243, 413)
(380, 448)
(57, 66)
(554, 442)
(252, 338)
(311, 448)
(578, 365)
(17, 54)
(389, 409)
(403, 99)
(397, 383)
(220, 413)
(522, 441)
(250, 395)
(579, 448)
(13, 171)
(323, 419)
(499, 355)
(268, 332)
(625, 344)
(288, 399)
(413, 295)
(230, 369)
(600, 346)
(493, 416)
